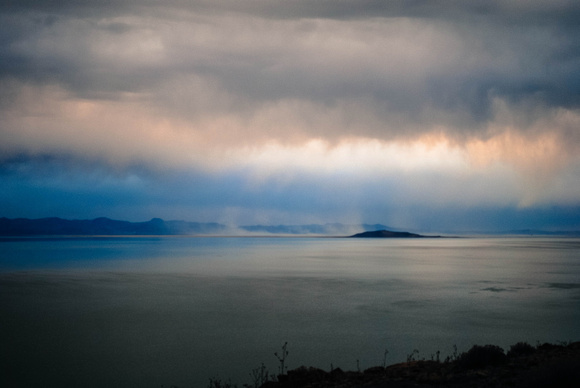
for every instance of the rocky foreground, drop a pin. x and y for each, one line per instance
(482, 366)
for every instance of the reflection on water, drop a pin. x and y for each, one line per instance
(146, 312)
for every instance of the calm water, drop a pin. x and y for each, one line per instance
(147, 312)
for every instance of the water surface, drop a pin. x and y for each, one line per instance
(153, 311)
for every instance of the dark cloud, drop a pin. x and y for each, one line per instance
(561, 12)
(471, 53)
(533, 11)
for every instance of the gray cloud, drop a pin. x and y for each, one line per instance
(534, 10)
(385, 70)
(446, 55)
(146, 86)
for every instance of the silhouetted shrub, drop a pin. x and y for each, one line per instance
(282, 358)
(520, 349)
(482, 356)
(259, 377)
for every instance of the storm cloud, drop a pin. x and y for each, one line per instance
(437, 103)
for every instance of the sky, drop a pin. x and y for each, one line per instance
(426, 115)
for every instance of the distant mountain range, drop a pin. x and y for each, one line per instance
(104, 226)
(54, 226)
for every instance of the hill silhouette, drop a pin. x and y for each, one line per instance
(54, 226)
(388, 234)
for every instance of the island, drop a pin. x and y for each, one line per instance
(389, 234)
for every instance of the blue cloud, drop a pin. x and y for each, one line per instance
(44, 187)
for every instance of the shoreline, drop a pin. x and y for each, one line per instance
(522, 366)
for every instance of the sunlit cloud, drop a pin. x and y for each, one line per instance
(128, 131)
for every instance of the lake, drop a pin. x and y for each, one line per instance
(162, 311)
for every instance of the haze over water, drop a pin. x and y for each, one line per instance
(152, 311)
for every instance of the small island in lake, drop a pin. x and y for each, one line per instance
(388, 234)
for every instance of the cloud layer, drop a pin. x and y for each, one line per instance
(432, 104)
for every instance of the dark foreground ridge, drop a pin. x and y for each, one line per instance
(524, 366)
(389, 234)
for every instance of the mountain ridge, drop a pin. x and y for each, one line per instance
(104, 226)
(55, 226)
